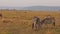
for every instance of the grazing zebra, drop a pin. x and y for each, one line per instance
(35, 23)
(48, 20)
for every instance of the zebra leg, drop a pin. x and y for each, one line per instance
(39, 26)
(36, 27)
(53, 23)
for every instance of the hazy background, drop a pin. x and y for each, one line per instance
(30, 4)
(23, 3)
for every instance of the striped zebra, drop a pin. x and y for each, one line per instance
(35, 23)
(48, 20)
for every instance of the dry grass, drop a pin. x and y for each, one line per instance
(19, 22)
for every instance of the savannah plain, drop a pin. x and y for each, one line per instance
(20, 22)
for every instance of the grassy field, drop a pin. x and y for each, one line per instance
(19, 22)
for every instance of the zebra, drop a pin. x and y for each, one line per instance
(36, 23)
(48, 20)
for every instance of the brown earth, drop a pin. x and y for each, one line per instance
(19, 22)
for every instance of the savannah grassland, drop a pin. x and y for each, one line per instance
(19, 22)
